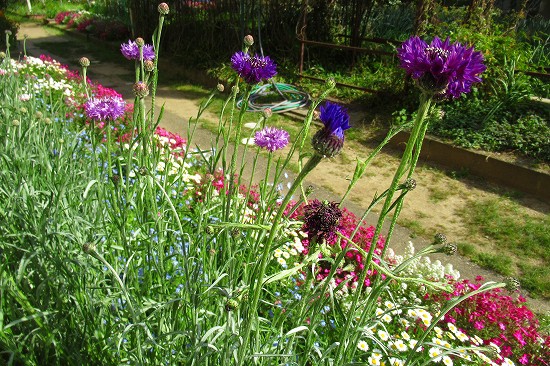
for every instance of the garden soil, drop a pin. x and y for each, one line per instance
(436, 205)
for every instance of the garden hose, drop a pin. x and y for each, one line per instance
(289, 96)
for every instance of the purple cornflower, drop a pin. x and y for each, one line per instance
(253, 69)
(130, 50)
(442, 68)
(271, 138)
(330, 139)
(321, 219)
(106, 108)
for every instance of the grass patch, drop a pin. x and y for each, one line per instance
(523, 242)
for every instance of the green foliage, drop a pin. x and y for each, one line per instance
(7, 25)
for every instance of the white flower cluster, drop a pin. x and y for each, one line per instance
(292, 248)
(423, 267)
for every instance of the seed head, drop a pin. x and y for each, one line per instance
(84, 62)
(163, 9)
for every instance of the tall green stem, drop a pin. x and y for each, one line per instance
(256, 281)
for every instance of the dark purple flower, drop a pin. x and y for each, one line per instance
(271, 138)
(106, 108)
(330, 139)
(253, 69)
(442, 68)
(322, 219)
(130, 50)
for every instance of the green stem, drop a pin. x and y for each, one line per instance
(256, 281)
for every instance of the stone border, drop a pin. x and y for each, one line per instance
(501, 172)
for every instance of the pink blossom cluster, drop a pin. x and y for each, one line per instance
(177, 143)
(500, 319)
(353, 265)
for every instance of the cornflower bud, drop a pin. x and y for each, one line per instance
(330, 83)
(47, 121)
(163, 9)
(15, 122)
(235, 232)
(248, 40)
(231, 305)
(140, 42)
(84, 62)
(8, 32)
(512, 284)
(220, 88)
(148, 65)
(88, 248)
(141, 90)
(267, 113)
(440, 238)
(410, 184)
(449, 249)
(2, 55)
(235, 89)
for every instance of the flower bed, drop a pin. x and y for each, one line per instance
(123, 244)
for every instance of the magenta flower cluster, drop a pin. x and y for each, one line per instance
(271, 138)
(253, 69)
(130, 50)
(500, 319)
(105, 109)
(443, 68)
(352, 267)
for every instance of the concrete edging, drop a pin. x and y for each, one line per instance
(501, 172)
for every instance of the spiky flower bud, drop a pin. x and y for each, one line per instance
(25, 36)
(163, 9)
(410, 184)
(8, 32)
(88, 248)
(449, 249)
(115, 178)
(327, 144)
(309, 190)
(231, 305)
(148, 65)
(440, 238)
(38, 115)
(330, 83)
(248, 40)
(23, 110)
(220, 88)
(15, 122)
(141, 90)
(209, 230)
(2, 55)
(235, 89)
(329, 141)
(512, 284)
(47, 121)
(140, 42)
(84, 62)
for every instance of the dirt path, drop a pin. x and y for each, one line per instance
(433, 206)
